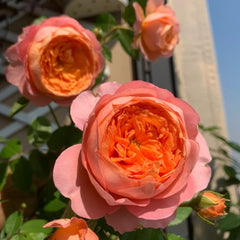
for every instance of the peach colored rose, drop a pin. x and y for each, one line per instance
(156, 34)
(71, 229)
(54, 61)
(140, 158)
(215, 205)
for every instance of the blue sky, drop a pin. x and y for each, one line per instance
(225, 21)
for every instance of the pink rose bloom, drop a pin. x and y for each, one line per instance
(54, 61)
(71, 229)
(140, 158)
(156, 34)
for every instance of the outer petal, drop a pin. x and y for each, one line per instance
(201, 170)
(66, 223)
(72, 181)
(152, 5)
(81, 108)
(139, 17)
(90, 235)
(108, 88)
(123, 221)
(191, 117)
(140, 88)
(157, 209)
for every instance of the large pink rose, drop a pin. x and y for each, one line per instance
(54, 61)
(156, 34)
(140, 158)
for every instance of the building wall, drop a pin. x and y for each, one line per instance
(198, 81)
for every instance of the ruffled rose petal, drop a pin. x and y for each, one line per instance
(201, 170)
(123, 221)
(108, 88)
(81, 108)
(152, 5)
(139, 17)
(66, 223)
(191, 117)
(75, 185)
(140, 89)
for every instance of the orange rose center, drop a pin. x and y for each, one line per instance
(145, 140)
(67, 66)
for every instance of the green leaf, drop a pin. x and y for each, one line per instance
(126, 38)
(230, 171)
(38, 20)
(11, 148)
(39, 131)
(231, 221)
(64, 137)
(182, 214)
(106, 51)
(234, 146)
(21, 103)
(21, 174)
(3, 174)
(36, 236)
(54, 205)
(143, 234)
(39, 163)
(105, 22)
(208, 129)
(171, 236)
(35, 226)
(234, 234)
(13, 223)
(18, 237)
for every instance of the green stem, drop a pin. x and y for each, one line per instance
(54, 116)
(108, 35)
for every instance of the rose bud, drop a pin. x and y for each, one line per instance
(156, 34)
(74, 229)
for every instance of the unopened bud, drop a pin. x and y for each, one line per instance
(210, 205)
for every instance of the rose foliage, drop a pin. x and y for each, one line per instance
(131, 160)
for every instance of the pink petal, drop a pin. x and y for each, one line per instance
(191, 117)
(81, 108)
(66, 223)
(157, 209)
(139, 18)
(140, 88)
(123, 221)
(15, 74)
(108, 88)
(25, 41)
(11, 54)
(201, 170)
(152, 5)
(90, 235)
(72, 181)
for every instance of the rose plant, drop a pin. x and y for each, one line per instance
(131, 161)
(156, 33)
